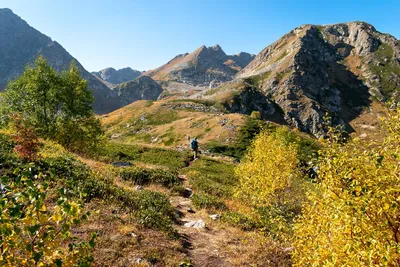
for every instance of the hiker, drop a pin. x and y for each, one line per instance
(194, 145)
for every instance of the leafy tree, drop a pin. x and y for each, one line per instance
(353, 218)
(34, 96)
(58, 106)
(74, 97)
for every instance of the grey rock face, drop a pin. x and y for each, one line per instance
(142, 88)
(314, 70)
(114, 76)
(251, 99)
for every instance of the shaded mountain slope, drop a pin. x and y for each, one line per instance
(20, 44)
(141, 88)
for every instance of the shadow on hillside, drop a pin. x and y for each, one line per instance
(354, 94)
(324, 71)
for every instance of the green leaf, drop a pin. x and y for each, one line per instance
(37, 256)
(34, 228)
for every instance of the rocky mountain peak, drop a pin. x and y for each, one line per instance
(113, 77)
(6, 11)
(333, 69)
(206, 66)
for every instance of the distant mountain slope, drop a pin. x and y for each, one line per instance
(20, 44)
(114, 77)
(206, 67)
(313, 70)
(141, 88)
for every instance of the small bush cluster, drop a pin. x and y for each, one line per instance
(25, 137)
(204, 201)
(113, 151)
(142, 176)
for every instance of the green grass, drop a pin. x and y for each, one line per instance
(149, 103)
(207, 103)
(281, 75)
(212, 91)
(212, 180)
(284, 54)
(385, 70)
(204, 201)
(159, 118)
(257, 79)
(245, 222)
(172, 159)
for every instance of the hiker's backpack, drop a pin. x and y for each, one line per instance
(193, 144)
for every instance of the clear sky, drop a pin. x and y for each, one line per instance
(144, 34)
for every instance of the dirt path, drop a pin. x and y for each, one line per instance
(203, 244)
(211, 245)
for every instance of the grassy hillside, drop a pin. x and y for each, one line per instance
(129, 219)
(170, 122)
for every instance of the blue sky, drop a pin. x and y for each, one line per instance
(145, 34)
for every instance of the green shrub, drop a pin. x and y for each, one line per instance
(246, 134)
(113, 151)
(172, 159)
(203, 201)
(142, 176)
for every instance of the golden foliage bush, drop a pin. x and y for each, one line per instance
(353, 218)
(271, 183)
(269, 167)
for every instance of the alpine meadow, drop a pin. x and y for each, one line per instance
(286, 157)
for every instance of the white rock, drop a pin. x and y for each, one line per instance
(195, 224)
(215, 216)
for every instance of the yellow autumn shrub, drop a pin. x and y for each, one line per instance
(353, 218)
(269, 166)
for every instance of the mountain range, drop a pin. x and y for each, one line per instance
(112, 77)
(311, 71)
(205, 67)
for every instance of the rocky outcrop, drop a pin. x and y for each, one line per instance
(142, 88)
(335, 69)
(113, 77)
(205, 67)
(20, 44)
(251, 99)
